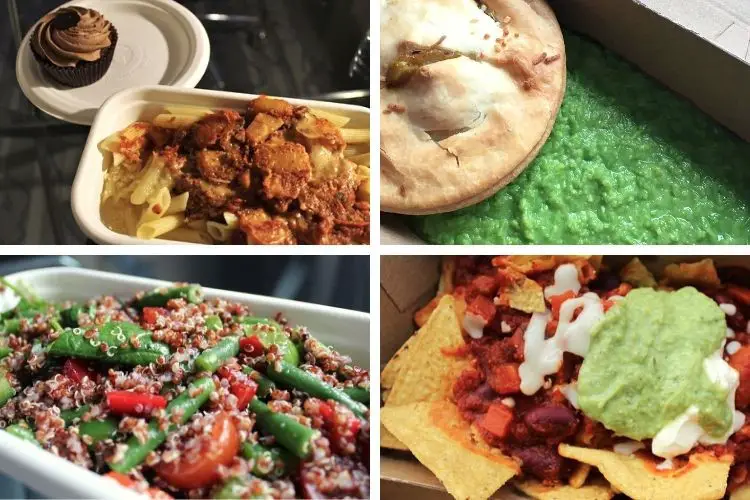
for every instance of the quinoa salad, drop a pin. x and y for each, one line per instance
(174, 395)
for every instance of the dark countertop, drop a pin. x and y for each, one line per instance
(294, 48)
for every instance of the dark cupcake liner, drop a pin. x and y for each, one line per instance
(84, 72)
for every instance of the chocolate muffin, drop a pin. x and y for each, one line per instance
(74, 45)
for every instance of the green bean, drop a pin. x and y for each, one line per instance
(296, 378)
(69, 416)
(159, 298)
(237, 487)
(6, 391)
(184, 405)
(22, 431)
(255, 320)
(214, 323)
(265, 384)
(279, 459)
(99, 430)
(72, 344)
(11, 326)
(288, 432)
(272, 333)
(359, 394)
(69, 316)
(211, 359)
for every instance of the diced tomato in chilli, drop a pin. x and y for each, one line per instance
(497, 420)
(504, 379)
(483, 307)
(556, 301)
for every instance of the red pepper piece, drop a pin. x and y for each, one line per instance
(134, 403)
(76, 370)
(251, 345)
(245, 392)
(151, 314)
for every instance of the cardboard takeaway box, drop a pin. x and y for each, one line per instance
(408, 283)
(698, 48)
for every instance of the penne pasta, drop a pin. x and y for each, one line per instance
(231, 219)
(356, 149)
(219, 232)
(355, 135)
(158, 205)
(154, 170)
(178, 203)
(188, 235)
(158, 227)
(335, 118)
(147, 181)
(199, 225)
(166, 120)
(188, 110)
(361, 159)
(110, 143)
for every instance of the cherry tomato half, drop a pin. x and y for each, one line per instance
(199, 468)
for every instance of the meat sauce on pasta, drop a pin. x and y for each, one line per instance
(276, 174)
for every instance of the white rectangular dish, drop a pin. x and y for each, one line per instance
(144, 103)
(55, 477)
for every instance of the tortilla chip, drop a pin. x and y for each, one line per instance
(447, 271)
(390, 371)
(466, 471)
(597, 491)
(741, 493)
(388, 440)
(528, 264)
(423, 314)
(705, 477)
(637, 274)
(527, 296)
(700, 274)
(578, 477)
(427, 373)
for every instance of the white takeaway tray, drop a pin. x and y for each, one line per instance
(144, 103)
(55, 477)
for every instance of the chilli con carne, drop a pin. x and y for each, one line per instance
(172, 394)
(581, 379)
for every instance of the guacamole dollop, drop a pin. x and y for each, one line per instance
(627, 162)
(645, 364)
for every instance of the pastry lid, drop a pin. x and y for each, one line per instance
(160, 42)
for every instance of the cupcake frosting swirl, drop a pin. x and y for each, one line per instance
(72, 34)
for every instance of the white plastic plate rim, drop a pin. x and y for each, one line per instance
(347, 331)
(51, 100)
(129, 105)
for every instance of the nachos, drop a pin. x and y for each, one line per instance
(571, 378)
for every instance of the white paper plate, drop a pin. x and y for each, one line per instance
(143, 103)
(348, 331)
(160, 42)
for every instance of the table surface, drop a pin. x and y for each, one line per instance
(294, 48)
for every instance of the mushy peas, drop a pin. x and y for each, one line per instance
(627, 162)
(654, 370)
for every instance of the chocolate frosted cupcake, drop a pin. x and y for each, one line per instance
(74, 45)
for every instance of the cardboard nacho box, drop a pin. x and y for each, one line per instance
(698, 48)
(407, 283)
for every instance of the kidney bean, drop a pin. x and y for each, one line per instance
(541, 462)
(557, 421)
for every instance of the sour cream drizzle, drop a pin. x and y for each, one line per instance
(474, 325)
(543, 356)
(684, 432)
(566, 279)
